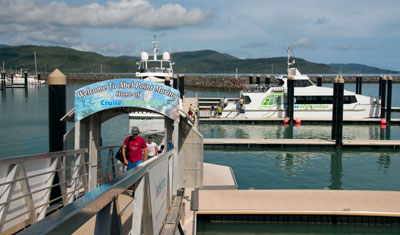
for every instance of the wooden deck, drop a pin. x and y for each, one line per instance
(300, 202)
(299, 143)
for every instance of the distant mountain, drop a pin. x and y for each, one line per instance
(204, 61)
(208, 61)
(66, 59)
(359, 69)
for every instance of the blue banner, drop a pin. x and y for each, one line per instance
(126, 92)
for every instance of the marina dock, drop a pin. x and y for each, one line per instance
(307, 206)
(298, 144)
(362, 121)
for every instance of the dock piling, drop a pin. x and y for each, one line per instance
(26, 79)
(57, 109)
(357, 83)
(290, 101)
(3, 80)
(340, 96)
(182, 85)
(334, 109)
(12, 78)
(175, 82)
(167, 81)
(319, 80)
(383, 97)
(251, 79)
(389, 100)
(267, 80)
(258, 79)
(38, 76)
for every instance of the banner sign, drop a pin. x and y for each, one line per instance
(158, 194)
(126, 92)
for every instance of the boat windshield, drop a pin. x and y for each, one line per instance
(256, 88)
(302, 83)
(155, 67)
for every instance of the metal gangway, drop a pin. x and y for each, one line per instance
(92, 184)
(28, 184)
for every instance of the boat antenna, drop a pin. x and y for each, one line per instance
(155, 49)
(288, 59)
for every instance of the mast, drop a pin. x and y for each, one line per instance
(155, 49)
(288, 60)
(35, 63)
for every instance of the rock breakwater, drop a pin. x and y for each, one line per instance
(216, 82)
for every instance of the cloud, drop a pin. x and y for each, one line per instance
(256, 45)
(318, 21)
(344, 47)
(36, 17)
(303, 43)
(68, 36)
(102, 48)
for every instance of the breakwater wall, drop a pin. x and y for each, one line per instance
(219, 82)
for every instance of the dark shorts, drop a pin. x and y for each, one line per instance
(132, 164)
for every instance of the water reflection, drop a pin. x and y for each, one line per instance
(3, 94)
(336, 170)
(291, 163)
(248, 131)
(383, 162)
(341, 170)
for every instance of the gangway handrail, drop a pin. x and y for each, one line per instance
(23, 158)
(108, 147)
(71, 217)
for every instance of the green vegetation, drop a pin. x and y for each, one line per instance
(206, 61)
(66, 59)
(359, 69)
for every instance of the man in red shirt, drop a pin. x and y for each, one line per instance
(135, 145)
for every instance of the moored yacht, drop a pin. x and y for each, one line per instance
(18, 79)
(154, 70)
(311, 101)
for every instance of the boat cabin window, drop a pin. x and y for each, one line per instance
(302, 83)
(348, 99)
(246, 99)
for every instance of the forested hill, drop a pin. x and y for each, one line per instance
(205, 61)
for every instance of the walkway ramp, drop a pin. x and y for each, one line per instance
(218, 177)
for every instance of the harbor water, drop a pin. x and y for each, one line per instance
(24, 130)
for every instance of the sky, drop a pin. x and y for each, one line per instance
(322, 31)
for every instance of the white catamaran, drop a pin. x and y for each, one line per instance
(311, 101)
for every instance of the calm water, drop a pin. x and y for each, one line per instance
(311, 170)
(24, 130)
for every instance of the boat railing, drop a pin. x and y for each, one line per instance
(103, 203)
(26, 183)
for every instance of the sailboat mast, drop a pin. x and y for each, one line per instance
(35, 63)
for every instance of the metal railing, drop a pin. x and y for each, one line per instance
(26, 183)
(102, 202)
